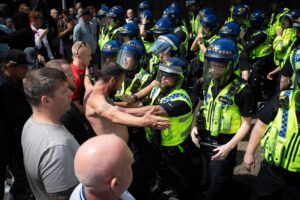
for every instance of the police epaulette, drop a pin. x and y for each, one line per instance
(235, 86)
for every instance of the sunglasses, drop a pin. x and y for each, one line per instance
(82, 44)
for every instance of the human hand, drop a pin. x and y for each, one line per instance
(143, 19)
(128, 98)
(271, 75)
(154, 121)
(249, 161)
(195, 137)
(222, 152)
(279, 32)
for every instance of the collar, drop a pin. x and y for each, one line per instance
(82, 196)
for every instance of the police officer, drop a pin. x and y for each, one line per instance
(128, 31)
(131, 58)
(240, 15)
(180, 28)
(145, 25)
(172, 144)
(276, 14)
(164, 47)
(109, 52)
(231, 30)
(222, 118)
(259, 47)
(207, 34)
(284, 41)
(115, 20)
(193, 7)
(292, 63)
(277, 129)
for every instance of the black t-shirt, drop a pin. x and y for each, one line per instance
(243, 99)
(244, 62)
(268, 112)
(173, 108)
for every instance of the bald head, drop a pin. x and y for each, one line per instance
(103, 165)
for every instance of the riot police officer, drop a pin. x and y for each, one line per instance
(277, 130)
(171, 146)
(222, 118)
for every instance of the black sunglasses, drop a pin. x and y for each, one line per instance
(82, 43)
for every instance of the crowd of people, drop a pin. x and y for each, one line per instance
(112, 105)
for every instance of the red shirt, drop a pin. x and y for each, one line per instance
(79, 76)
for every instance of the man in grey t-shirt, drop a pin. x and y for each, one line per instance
(48, 148)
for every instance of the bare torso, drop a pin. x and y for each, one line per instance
(100, 124)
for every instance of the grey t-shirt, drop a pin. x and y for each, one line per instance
(49, 152)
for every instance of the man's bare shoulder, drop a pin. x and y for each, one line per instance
(97, 101)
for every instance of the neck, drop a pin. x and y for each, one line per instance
(78, 63)
(102, 88)
(45, 116)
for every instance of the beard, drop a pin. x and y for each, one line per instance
(113, 92)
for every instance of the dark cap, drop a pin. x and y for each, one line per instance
(85, 12)
(15, 56)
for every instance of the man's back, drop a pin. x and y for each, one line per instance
(49, 152)
(99, 123)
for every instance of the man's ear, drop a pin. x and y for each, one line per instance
(114, 185)
(112, 80)
(45, 100)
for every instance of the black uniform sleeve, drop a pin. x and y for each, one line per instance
(244, 61)
(255, 41)
(287, 70)
(176, 108)
(268, 112)
(181, 35)
(244, 100)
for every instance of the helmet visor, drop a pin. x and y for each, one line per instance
(126, 59)
(158, 46)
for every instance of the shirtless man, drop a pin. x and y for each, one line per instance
(108, 118)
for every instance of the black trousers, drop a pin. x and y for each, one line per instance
(216, 175)
(274, 183)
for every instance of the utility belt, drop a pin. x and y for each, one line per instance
(211, 142)
(170, 150)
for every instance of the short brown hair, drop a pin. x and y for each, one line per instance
(40, 82)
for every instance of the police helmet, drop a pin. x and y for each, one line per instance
(111, 48)
(173, 13)
(116, 12)
(102, 11)
(131, 48)
(173, 65)
(130, 29)
(192, 2)
(206, 11)
(257, 18)
(144, 5)
(210, 20)
(165, 43)
(230, 30)
(162, 26)
(291, 15)
(222, 50)
(148, 14)
(240, 10)
(225, 52)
